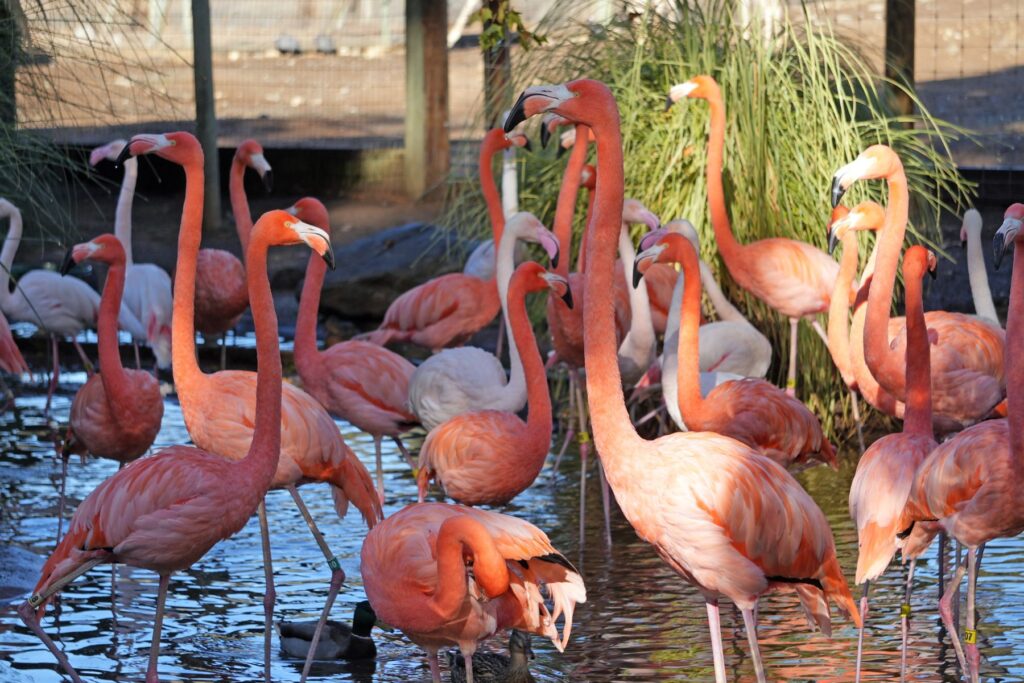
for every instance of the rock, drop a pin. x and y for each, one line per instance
(374, 271)
(19, 571)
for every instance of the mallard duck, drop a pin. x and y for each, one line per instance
(489, 667)
(338, 641)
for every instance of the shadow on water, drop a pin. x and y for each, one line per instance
(640, 623)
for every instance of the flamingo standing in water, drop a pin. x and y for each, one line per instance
(885, 473)
(448, 310)
(60, 306)
(489, 457)
(147, 291)
(725, 518)
(416, 572)
(967, 364)
(752, 411)
(362, 383)
(11, 360)
(790, 276)
(219, 409)
(971, 482)
(165, 512)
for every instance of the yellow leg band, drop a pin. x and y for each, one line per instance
(970, 636)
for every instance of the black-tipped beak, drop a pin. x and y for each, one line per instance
(527, 146)
(68, 263)
(934, 272)
(963, 244)
(998, 248)
(567, 297)
(328, 256)
(517, 115)
(668, 102)
(832, 242)
(268, 181)
(125, 153)
(545, 136)
(554, 259)
(837, 191)
(637, 275)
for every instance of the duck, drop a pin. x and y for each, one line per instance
(490, 667)
(338, 641)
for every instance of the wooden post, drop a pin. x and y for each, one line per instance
(10, 48)
(426, 95)
(899, 51)
(497, 76)
(206, 116)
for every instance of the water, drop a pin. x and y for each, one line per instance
(640, 623)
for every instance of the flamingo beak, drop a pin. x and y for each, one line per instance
(1004, 239)
(833, 242)
(69, 261)
(561, 285)
(545, 136)
(643, 261)
(668, 101)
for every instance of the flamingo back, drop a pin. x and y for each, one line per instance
(221, 292)
(147, 294)
(793, 277)
(120, 434)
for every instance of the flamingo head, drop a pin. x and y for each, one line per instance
(686, 229)
(105, 249)
(280, 228)
(877, 161)
(516, 139)
(573, 101)
(865, 216)
(181, 148)
(917, 261)
(311, 210)
(250, 153)
(702, 86)
(1006, 236)
(668, 247)
(527, 227)
(537, 279)
(971, 225)
(634, 213)
(109, 151)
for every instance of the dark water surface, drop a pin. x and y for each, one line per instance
(640, 622)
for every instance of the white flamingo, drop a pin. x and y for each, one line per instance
(638, 348)
(970, 237)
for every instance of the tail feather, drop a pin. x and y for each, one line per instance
(815, 607)
(877, 546)
(68, 556)
(351, 482)
(838, 591)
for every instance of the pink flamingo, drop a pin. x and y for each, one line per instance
(885, 473)
(362, 383)
(967, 363)
(11, 360)
(790, 276)
(971, 482)
(165, 512)
(147, 291)
(415, 566)
(219, 409)
(489, 457)
(725, 518)
(448, 310)
(749, 410)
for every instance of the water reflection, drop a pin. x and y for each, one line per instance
(641, 622)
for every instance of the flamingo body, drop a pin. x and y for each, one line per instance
(11, 359)
(456, 381)
(221, 297)
(60, 305)
(122, 433)
(147, 294)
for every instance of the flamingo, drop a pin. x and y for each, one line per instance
(165, 512)
(488, 457)
(221, 296)
(885, 473)
(11, 360)
(362, 383)
(117, 412)
(793, 277)
(971, 482)
(727, 519)
(219, 409)
(967, 364)
(147, 291)
(752, 411)
(415, 566)
(60, 306)
(448, 310)
(970, 239)
(456, 381)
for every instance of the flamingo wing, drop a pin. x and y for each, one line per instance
(792, 277)
(11, 359)
(368, 386)
(148, 295)
(456, 381)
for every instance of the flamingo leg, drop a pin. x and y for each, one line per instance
(715, 627)
(380, 468)
(405, 452)
(570, 431)
(138, 358)
(750, 622)
(970, 632)
(946, 611)
(435, 667)
(28, 615)
(942, 562)
(860, 632)
(469, 668)
(224, 351)
(54, 376)
(336, 580)
(584, 440)
(793, 338)
(90, 369)
(905, 620)
(154, 650)
(956, 596)
(60, 504)
(269, 595)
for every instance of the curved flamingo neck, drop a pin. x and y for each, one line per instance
(1015, 351)
(839, 310)
(239, 202)
(581, 260)
(731, 250)
(493, 143)
(307, 355)
(867, 385)
(260, 463)
(538, 417)
(504, 267)
(187, 374)
(641, 327)
(457, 537)
(887, 367)
(691, 403)
(614, 434)
(116, 384)
(7, 254)
(984, 307)
(566, 205)
(917, 417)
(123, 213)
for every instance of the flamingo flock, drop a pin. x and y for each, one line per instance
(715, 498)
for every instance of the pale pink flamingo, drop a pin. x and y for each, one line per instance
(416, 572)
(885, 473)
(488, 457)
(967, 363)
(11, 360)
(362, 383)
(752, 411)
(970, 240)
(219, 409)
(448, 310)
(147, 290)
(793, 277)
(165, 512)
(725, 518)
(971, 483)
(464, 379)
(58, 306)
